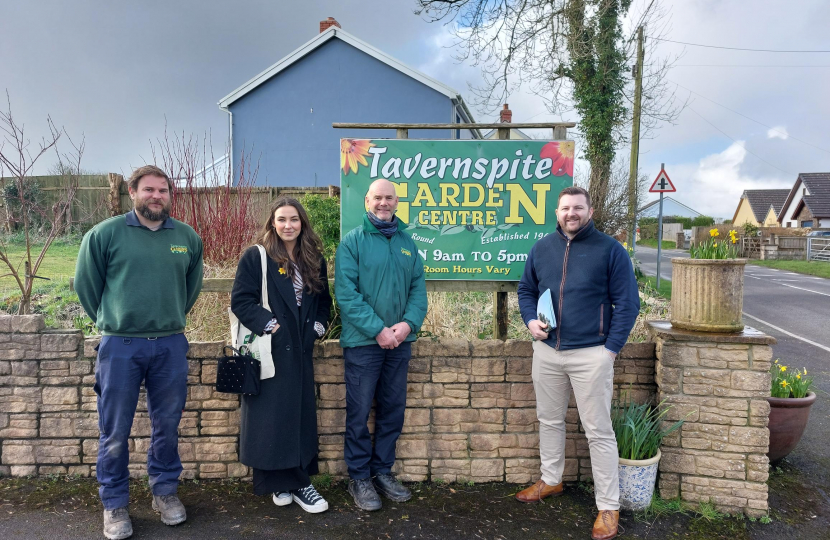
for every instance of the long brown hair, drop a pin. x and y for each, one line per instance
(307, 250)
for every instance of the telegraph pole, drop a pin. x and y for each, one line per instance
(637, 72)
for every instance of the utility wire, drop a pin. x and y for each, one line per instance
(738, 143)
(738, 48)
(750, 119)
(753, 65)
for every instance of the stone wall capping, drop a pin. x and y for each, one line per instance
(750, 336)
(26, 324)
(89, 346)
(638, 350)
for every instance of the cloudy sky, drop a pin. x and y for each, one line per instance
(115, 72)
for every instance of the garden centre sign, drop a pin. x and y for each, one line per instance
(473, 207)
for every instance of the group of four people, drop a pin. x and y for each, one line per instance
(139, 274)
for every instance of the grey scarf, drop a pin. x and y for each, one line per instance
(386, 228)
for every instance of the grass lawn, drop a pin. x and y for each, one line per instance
(813, 268)
(665, 286)
(51, 298)
(58, 264)
(667, 244)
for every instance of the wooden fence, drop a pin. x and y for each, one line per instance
(101, 196)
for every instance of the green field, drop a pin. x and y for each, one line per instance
(813, 268)
(50, 297)
(665, 286)
(652, 243)
(58, 264)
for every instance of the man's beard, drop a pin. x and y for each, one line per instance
(142, 208)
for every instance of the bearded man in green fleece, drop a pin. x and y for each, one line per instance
(379, 286)
(137, 276)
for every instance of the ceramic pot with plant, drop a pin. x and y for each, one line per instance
(707, 291)
(790, 401)
(638, 432)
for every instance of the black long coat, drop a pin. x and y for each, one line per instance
(279, 426)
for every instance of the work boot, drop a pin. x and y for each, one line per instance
(393, 490)
(605, 527)
(365, 496)
(171, 509)
(538, 491)
(117, 524)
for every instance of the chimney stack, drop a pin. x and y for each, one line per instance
(505, 115)
(328, 23)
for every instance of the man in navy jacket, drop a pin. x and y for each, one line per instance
(595, 303)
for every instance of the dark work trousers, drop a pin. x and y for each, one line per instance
(380, 374)
(123, 363)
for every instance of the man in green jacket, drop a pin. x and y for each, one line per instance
(137, 276)
(379, 286)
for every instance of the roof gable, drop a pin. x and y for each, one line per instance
(760, 201)
(666, 199)
(323, 37)
(818, 200)
(519, 134)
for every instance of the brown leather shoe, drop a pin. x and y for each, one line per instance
(605, 527)
(538, 491)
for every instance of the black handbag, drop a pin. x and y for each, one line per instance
(238, 373)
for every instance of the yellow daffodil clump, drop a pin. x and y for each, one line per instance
(792, 385)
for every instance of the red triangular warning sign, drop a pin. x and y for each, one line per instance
(662, 184)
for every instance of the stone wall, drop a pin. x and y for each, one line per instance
(470, 409)
(717, 383)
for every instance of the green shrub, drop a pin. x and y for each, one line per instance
(33, 199)
(324, 215)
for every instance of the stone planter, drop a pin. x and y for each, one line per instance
(707, 295)
(637, 479)
(787, 420)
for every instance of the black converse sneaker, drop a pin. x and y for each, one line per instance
(282, 498)
(310, 501)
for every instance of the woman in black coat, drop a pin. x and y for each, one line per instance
(279, 426)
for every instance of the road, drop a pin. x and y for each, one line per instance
(795, 310)
(794, 303)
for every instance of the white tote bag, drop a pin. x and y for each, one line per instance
(243, 339)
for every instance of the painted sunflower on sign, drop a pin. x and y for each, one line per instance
(352, 152)
(562, 155)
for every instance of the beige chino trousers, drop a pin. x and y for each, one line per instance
(590, 372)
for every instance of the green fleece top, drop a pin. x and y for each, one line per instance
(378, 282)
(135, 282)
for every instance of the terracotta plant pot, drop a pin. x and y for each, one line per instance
(787, 420)
(637, 479)
(707, 295)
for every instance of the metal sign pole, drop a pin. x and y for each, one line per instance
(659, 240)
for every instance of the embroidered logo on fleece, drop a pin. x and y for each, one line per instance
(178, 249)
(406, 252)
